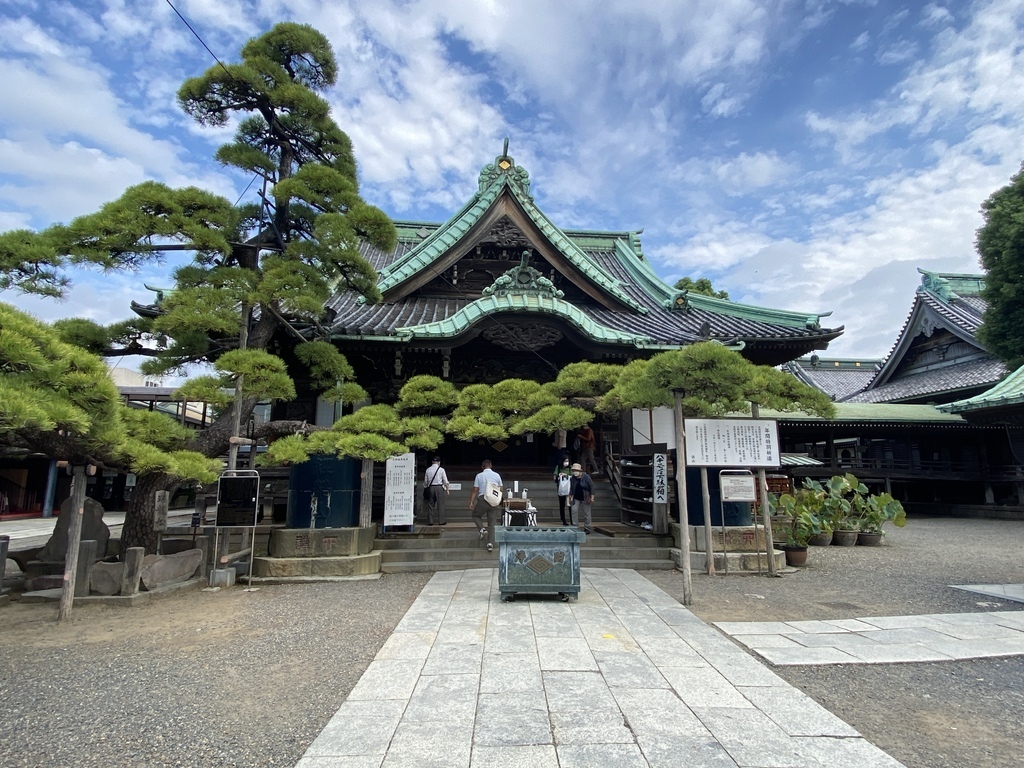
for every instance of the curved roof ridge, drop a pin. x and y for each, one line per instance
(426, 252)
(576, 255)
(750, 312)
(519, 301)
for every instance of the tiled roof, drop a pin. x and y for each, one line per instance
(954, 302)
(874, 413)
(1010, 391)
(662, 326)
(936, 381)
(839, 379)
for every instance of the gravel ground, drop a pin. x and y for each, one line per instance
(235, 678)
(937, 715)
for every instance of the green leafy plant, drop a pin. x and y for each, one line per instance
(804, 509)
(878, 510)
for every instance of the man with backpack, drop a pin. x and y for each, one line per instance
(581, 496)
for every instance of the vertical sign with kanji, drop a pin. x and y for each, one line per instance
(400, 490)
(660, 464)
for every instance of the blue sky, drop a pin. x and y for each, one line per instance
(805, 155)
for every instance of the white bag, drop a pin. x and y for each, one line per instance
(564, 484)
(492, 493)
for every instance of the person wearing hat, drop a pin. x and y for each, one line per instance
(435, 488)
(581, 496)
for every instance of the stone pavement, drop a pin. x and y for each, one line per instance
(626, 676)
(883, 639)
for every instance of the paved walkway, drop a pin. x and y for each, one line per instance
(883, 639)
(625, 677)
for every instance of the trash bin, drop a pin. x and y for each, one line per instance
(534, 560)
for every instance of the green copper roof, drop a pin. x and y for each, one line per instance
(873, 412)
(519, 301)
(503, 176)
(1009, 391)
(945, 285)
(748, 312)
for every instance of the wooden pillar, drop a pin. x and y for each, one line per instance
(366, 494)
(67, 595)
(684, 515)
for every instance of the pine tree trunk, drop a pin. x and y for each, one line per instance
(137, 530)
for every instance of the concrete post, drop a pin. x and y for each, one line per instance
(132, 575)
(86, 560)
(5, 543)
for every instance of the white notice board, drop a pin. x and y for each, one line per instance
(400, 490)
(737, 487)
(732, 443)
(660, 463)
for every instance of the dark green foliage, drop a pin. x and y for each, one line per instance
(1000, 244)
(59, 400)
(701, 286)
(713, 380)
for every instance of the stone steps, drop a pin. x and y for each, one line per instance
(460, 547)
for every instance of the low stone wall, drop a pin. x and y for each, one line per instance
(321, 542)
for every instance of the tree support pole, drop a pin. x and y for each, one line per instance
(67, 595)
(762, 481)
(684, 515)
(709, 549)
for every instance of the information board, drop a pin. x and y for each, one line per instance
(737, 487)
(732, 443)
(238, 499)
(400, 490)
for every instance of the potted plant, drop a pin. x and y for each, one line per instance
(844, 497)
(875, 511)
(803, 508)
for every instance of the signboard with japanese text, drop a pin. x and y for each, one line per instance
(660, 465)
(737, 487)
(732, 443)
(400, 490)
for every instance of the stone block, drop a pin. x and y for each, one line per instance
(161, 570)
(222, 577)
(357, 565)
(105, 578)
(46, 581)
(738, 538)
(93, 528)
(281, 567)
(321, 542)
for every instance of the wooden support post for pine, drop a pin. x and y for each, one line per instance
(709, 549)
(769, 540)
(366, 494)
(684, 515)
(67, 595)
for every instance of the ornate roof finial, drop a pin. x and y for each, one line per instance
(504, 166)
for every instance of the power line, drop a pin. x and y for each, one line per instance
(200, 39)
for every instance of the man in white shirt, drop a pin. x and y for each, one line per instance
(479, 506)
(435, 482)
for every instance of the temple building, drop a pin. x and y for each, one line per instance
(499, 290)
(934, 421)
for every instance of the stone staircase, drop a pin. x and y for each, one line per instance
(457, 546)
